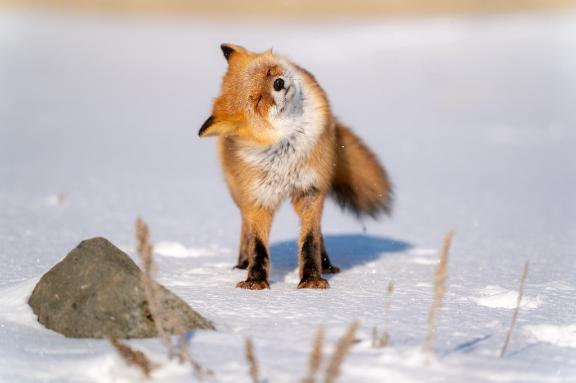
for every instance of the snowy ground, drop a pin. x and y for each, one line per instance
(475, 119)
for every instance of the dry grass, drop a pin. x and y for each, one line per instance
(375, 337)
(342, 349)
(61, 199)
(384, 339)
(185, 356)
(516, 310)
(253, 369)
(133, 357)
(315, 360)
(439, 292)
(145, 250)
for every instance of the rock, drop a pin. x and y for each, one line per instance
(96, 292)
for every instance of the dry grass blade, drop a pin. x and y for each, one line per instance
(184, 355)
(144, 245)
(384, 340)
(516, 310)
(145, 251)
(389, 292)
(133, 357)
(340, 353)
(375, 337)
(439, 292)
(253, 369)
(315, 356)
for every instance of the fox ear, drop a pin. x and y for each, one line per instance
(230, 49)
(205, 126)
(211, 128)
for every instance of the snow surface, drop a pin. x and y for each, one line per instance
(474, 118)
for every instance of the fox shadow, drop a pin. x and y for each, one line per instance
(344, 251)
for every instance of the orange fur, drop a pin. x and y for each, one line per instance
(278, 139)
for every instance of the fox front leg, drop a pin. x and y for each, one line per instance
(309, 207)
(256, 228)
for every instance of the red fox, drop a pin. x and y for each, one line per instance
(278, 139)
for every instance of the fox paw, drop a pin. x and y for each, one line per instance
(330, 270)
(317, 283)
(253, 285)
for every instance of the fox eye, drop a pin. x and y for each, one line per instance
(278, 84)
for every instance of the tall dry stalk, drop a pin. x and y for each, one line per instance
(145, 250)
(375, 337)
(342, 349)
(315, 360)
(133, 357)
(384, 339)
(439, 291)
(516, 310)
(253, 369)
(184, 355)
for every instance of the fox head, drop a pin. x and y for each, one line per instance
(260, 93)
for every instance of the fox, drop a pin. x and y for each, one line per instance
(278, 140)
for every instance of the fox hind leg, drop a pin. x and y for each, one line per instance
(327, 266)
(243, 257)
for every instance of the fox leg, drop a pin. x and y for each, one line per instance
(256, 228)
(327, 266)
(309, 207)
(244, 246)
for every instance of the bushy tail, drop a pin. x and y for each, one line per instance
(360, 183)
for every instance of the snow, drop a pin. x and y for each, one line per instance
(474, 118)
(563, 336)
(178, 250)
(498, 297)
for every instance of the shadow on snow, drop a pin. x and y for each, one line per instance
(344, 250)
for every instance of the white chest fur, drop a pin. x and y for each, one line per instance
(284, 169)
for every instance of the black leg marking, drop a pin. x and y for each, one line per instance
(311, 268)
(327, 266)
(242, 262)
(244, 251)
(258, 270)
(309, 262)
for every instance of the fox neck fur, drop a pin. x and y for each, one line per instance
(283, 166)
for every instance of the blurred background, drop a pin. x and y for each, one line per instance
(470, 104)
(297, 8)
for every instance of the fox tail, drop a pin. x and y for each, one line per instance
(361, 184)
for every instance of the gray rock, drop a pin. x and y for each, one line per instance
(96, 292)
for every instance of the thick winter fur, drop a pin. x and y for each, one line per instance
(278, 139)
